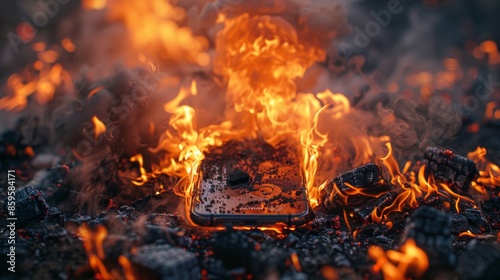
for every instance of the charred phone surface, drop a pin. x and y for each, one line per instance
(249, 182)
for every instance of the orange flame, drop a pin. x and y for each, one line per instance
(412, 187)
(41, 79)
(398, 265)
(489, 173)
(99, 127)
(155, 30)
(93, 243)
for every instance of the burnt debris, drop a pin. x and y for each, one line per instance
(450, 168)
(238, 178)
(349, 189)
(164, 262)
(30, 206)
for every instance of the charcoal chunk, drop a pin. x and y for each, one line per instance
(450, 168)
(459, 223)
(268, 260)
(364, 213)
(164, 262)
(58, 174)
(238, 178)
(234, 248)
(476, 222)
(29, 206)
(366, 178)
(480, 262)
(431, 231)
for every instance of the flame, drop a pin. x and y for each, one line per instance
(143, 178)
(491, 111)
(411, 187)
(154, 28)
(41, 79)
(127, 268)
(398, 265)
(489, 173)
(99, 127)
(93, 244)
(259, 58)
(93, 4)
(295, 261)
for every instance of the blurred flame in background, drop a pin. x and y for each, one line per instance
(408, 261)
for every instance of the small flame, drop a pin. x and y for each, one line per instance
(41, 79)
(93, 244)
(143, 178)
(409, 260)
(94, 4)
(489, 173)
(99, 127)
(296, 262)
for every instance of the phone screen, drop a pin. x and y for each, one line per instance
(250, 182)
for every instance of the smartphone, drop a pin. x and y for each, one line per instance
(250, 183)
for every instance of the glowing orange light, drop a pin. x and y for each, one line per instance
(68, 45)
(489, 46)
(296, 262)
(99, 127)
(398, 265)
(94, 4)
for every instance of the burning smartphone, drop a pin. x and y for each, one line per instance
(250, 183)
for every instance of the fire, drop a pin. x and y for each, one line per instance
(489, 173)
(93, 244)
(99, 127)
(296, 262)
(154, 29)
(409, 260)
(412, 187)
(94, 4)
(41, 79)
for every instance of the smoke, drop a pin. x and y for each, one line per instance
(131, 58)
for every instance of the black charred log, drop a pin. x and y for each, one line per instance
(364, 212)
(480, 262)
(367, 179)
(164, 262)
(29, 206)
(431, 231)
(450, 168)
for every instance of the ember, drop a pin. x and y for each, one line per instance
(234, 139)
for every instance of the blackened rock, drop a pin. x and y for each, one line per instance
(364, 212)
(234, 248)
(291, 240)
(29, 206)
(238, 178)
(164, 262)
(58, 174)
(431, 231)
(268, 260)
(451, 168)
(294, 275)
(480, 262)
(458, 223)
(476, 222)
(366, 178)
